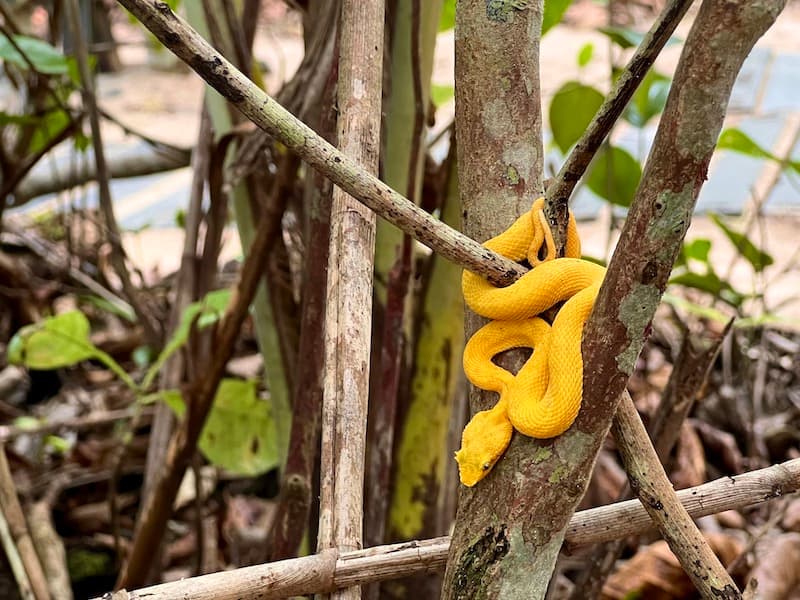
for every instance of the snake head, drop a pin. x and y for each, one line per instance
(483, 442)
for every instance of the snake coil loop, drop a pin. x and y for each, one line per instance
(544, 397)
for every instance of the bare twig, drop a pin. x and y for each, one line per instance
(563, 184)
(321, 573)
(10, 432)
(656, 494)
(144, 316)
(689, 373)
(18, 528)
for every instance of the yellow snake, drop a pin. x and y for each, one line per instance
(544, 397)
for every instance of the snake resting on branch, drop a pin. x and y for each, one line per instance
(544, 397)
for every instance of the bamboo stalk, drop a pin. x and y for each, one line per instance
(323, 572)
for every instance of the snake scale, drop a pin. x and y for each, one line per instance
(544, 397)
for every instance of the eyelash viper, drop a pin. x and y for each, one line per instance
(544, 397)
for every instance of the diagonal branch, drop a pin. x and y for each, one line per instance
(563, 184)
(265, 112)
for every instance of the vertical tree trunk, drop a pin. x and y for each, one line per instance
(500, 162)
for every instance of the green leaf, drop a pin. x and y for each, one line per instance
(27, 423)
(710, 283)
(756, 257)
(585, 54)
(204, 312)
(57, 444)
(649, 99)
(441, 94)
(240, 433)
(553, 12)
(571, 110)
(738, 141)
(447, 20)
(11, 119)
(60, 341)
(51, 124)
(172, 398)
(697, 249)
(44, 57)
(614, 175)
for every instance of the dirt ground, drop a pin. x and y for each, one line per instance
(166, 104)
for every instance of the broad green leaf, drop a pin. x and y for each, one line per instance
(44, 57)
(553, 12)
(756, 257)
(240, 434)
(441, 94)
(204, 312)
(738, 141)
(447, 20)
(649, 99)
(585, 54)
(56, 342)
(571, 111)
(710, 283)
(614, 175)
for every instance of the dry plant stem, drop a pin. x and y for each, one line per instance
(15, 561)
(50, 548)
(143, 315)
(18, 528)
(9, 432)
(185, 293)
(348, 319)
(322, 573)
(655, 492)
(298, 483)
(199, 396)
(260, 108)
(689, 373)
(563, 184)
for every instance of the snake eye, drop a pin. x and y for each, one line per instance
(486, 466)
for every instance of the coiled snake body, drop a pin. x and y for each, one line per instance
(544, 397)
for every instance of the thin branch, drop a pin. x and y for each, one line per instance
(260, 108)
(652, 486)
(18, 528)
(323, 572)
(10, 432)
(563, 184)
(144, 315)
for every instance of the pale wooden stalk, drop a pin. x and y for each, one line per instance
(342, 170)
(323, 572)
(348, 320)
(19, 541)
